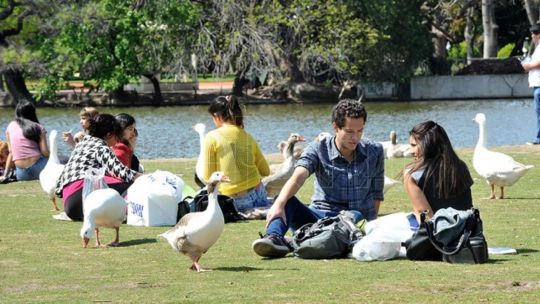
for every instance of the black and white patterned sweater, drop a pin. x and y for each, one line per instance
(92, 152)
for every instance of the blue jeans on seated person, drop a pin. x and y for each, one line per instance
(32, 172)
(256, 198)
(298, 214)
(536, 96)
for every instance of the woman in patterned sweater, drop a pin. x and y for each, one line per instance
(93, 151)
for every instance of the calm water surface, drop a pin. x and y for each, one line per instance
(166, 132)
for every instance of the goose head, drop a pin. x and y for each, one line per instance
(215, 179)
(87, 232)
(200, 128)
(480, 118)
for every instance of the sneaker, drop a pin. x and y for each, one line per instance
(271, 246)
(532, 143)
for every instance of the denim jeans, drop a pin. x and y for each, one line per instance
(298, 214)
(32, 172)
(256, 198)
(536, 95)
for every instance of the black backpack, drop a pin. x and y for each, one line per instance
(200, 203)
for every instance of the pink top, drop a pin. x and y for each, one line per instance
(73, 187)
(22, 147)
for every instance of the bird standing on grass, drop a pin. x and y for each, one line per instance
(52, 171)
(497, 168)
(196, 232)
(102, 208)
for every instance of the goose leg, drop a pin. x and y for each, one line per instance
(55, 206)
(492, 196)
(116, 241)
(196, 266)
(502, 193)
(98, 243)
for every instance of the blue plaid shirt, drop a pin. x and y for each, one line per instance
(340, 184)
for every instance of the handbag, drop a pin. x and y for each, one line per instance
(419, 247)
(199, 203)
(469, 248)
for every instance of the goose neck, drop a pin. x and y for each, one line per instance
(482, 136)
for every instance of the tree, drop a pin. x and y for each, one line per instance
(490, 28)
(115, 41)
(13, 16)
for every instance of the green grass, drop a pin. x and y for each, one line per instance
(41, 260)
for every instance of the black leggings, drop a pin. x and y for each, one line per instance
(73, 205)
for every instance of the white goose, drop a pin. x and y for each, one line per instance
(497, 168)
(52, 171)
(275, 181)
(200, 128)
(394, 150)
(196, 232)
(102, 208)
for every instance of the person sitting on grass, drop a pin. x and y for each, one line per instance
(437, 178)
(124, 148)
(349, 175)
(27, 144)
(85, 115)
(93, 151)
(232, 150)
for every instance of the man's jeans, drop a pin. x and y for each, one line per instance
(536, 94)
(298, 214)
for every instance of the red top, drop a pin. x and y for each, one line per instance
(124, 153)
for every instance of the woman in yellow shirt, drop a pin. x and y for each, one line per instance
(229, 148)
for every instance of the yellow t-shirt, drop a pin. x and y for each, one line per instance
(232, 150)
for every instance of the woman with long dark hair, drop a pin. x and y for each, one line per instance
(230, 149)
(27, 143)
(125, 147)
(437, 178)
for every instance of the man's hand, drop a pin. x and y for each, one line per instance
(275, 212)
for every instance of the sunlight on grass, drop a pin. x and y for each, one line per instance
(41, 260)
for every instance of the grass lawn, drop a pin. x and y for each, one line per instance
(42, 260)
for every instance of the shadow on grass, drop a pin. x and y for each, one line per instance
(248, 269)
(526, 250)
(137, 242)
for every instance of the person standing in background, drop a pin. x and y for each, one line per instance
(532, 65)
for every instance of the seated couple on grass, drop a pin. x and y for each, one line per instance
(349, 175)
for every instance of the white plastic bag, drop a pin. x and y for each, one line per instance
(383, 238)
(93, 180)
(153, 199)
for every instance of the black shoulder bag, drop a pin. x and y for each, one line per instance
(471, 246)
(200, 203)
(419, 247)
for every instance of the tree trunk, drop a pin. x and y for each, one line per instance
(532, 11)
(439, 64)
(2, 88)
(469, 34)
(490, 29)
(158, 97)
(238, 84)
(16, 86)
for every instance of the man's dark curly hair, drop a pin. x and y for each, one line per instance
(348, 108)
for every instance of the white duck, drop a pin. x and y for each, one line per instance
(102, 208)
(196, 232)
(497, 168)
(52, 171)
(200, 128)
(275, 181)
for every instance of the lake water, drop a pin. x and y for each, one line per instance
(166, 132)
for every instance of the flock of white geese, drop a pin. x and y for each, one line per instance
(196, 232)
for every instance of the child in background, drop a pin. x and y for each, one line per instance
(85, 115)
